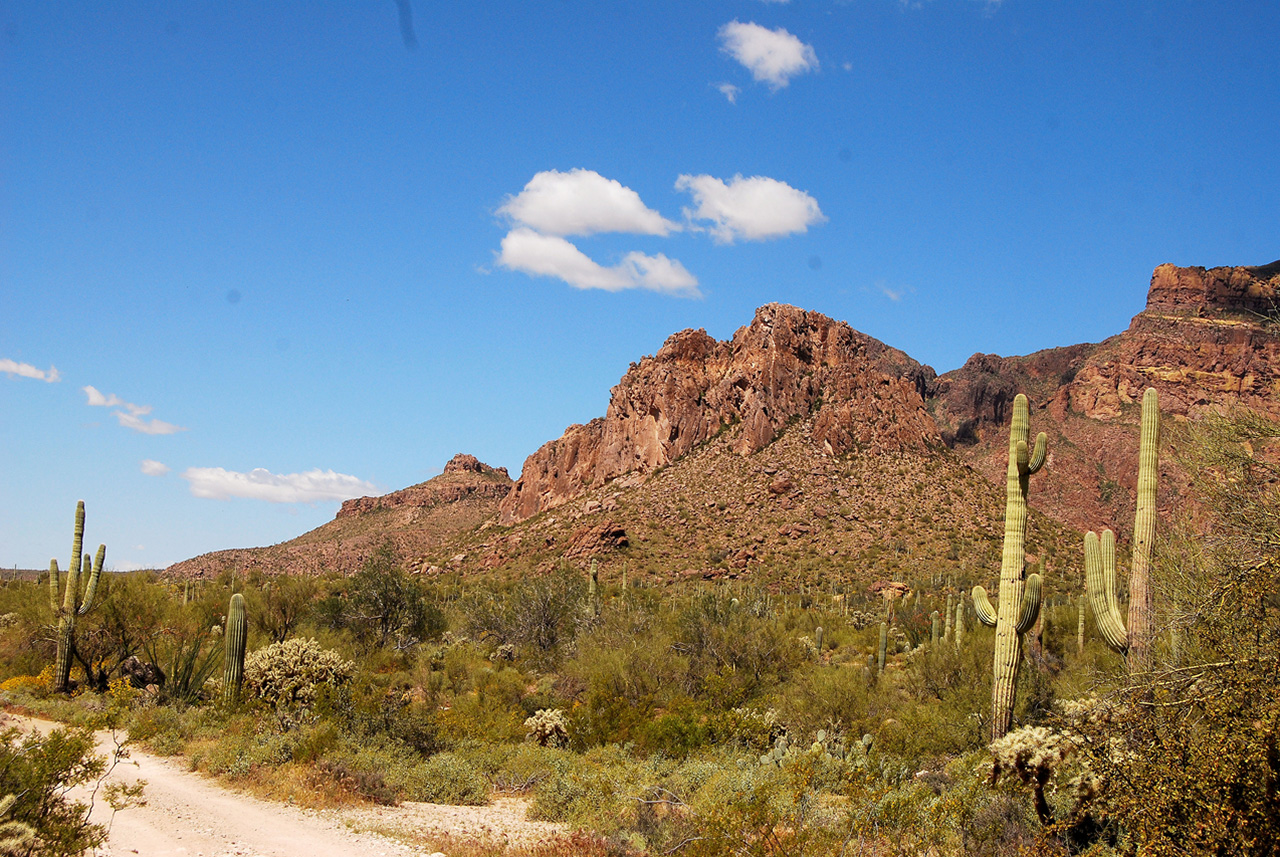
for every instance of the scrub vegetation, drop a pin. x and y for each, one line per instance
(708, 717)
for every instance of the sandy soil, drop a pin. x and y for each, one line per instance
(189, 815)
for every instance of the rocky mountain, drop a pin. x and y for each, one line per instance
(802, 449)
(788, 363)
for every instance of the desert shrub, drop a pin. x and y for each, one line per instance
(38, 771)
(528, 765)
(289, 673)
(447, 778)
(367, 784)
(385, 607)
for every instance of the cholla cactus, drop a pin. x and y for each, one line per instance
(1033, 754)
(15, 836)
(547, 728)
(290, 673)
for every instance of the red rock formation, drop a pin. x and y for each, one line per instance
(786, 363)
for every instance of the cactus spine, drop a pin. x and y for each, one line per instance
(1100, 555)
(233, 660)
(73, 604)
(1019, 596)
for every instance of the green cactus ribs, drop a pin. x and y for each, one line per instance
(233, 661)
(1019, 593)
(73, 602)
(1100, 555)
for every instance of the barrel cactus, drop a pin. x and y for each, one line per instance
(1100, 555)
(1019, 593)
(73, 602)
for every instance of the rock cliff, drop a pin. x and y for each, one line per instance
(787, 363)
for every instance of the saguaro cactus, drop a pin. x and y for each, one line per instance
(960, 623)
(233, 659)
(1019, 592)
(1100, 555)
(73, 604)
(937, 628)
(1080, 626)
(817, 640)
(884, 645)
(593, 591)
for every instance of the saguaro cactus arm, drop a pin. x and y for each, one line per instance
(1028, 607)
(1100, 554)
(92, 589)
(1100, 581)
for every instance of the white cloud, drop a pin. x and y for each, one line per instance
(98, 400)
(729, 91)
(582, 202)
(312, 486)
(525, 250)
(753, 209)
(26, 370)
(154, 468)
(772, 56)
(132, 419)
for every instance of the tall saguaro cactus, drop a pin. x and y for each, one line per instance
(233, 661)
(1019, 592)
(1100, 555)
(73, 603)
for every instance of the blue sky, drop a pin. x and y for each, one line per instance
(256, 257)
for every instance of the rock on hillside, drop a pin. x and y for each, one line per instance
(415, 520)
(788, 363)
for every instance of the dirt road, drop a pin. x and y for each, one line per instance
(189, 815)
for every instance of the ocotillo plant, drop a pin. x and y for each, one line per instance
(73, 604)
(233, 659)
(1100, 555)
(1019, 595)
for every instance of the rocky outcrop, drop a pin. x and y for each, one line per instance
(1207, 339)
(451, 486)
(1200, 291)
(786, 364)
